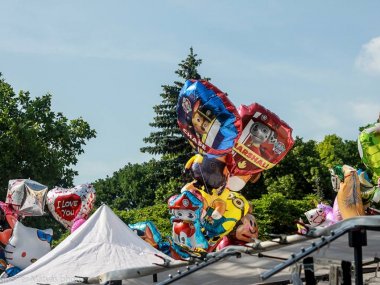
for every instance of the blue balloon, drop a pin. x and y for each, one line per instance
(207, 118)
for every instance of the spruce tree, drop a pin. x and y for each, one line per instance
(168, 140)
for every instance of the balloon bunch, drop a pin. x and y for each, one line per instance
(233, 147)
(357, 194)
(21, 245)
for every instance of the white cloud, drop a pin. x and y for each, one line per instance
(369, 57)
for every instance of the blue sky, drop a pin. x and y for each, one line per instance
(316, 64)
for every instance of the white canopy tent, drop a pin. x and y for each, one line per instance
(104, 246)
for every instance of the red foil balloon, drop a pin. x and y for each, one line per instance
(264, 142)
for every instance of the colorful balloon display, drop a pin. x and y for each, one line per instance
(207, 118)
(67, 205)
(265, 140)
(26, 197)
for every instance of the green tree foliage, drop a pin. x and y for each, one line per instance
(39, 144)
(299, 173)
(333, 150)
(131, 187)
(276, 214)
(36, 142)
(168, 140)
(158, 214)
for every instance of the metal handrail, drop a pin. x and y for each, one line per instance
(351, 226)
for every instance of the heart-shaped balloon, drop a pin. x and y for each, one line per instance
(68, 205)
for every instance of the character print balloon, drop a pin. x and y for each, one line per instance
(186, 209)
(207, 118)
(27, 245)
(68, 205)
(264, 142)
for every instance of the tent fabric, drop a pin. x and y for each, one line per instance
(248, 268)
(104, 243)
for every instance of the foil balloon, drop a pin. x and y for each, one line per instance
(77, 223)
(186, 209)
(7, 223)
(67, 205)
(3, 261)
(223, 211)
(329, 212)
(316, 217)
(149, 233)
(349, 195)
(27, 197)
(264, 142)
(27, 245)
(208, 171)
(337, 216)
(207, 118)
(245, 231)
(369, 149)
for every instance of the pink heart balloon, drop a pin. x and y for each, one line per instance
(69, 205)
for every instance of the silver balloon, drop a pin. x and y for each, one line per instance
(27, 197)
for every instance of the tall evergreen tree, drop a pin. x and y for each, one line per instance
(168, 140)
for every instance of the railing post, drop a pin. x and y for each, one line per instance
(308, 266)
(357, 239)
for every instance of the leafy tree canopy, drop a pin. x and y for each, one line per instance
(36, 142)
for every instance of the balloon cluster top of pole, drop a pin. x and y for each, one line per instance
(233, 146)
(358, 194)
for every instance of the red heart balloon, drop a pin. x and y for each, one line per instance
(68, 206)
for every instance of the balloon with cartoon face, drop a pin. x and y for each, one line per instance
(264, 141)
(247, 230)
(186, 212)
(207, 118)
(223, 211)
(315, 216)
(27, 245)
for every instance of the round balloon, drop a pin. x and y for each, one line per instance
(264, 141)
(207, 118)
(77, 223)
(67, 205)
